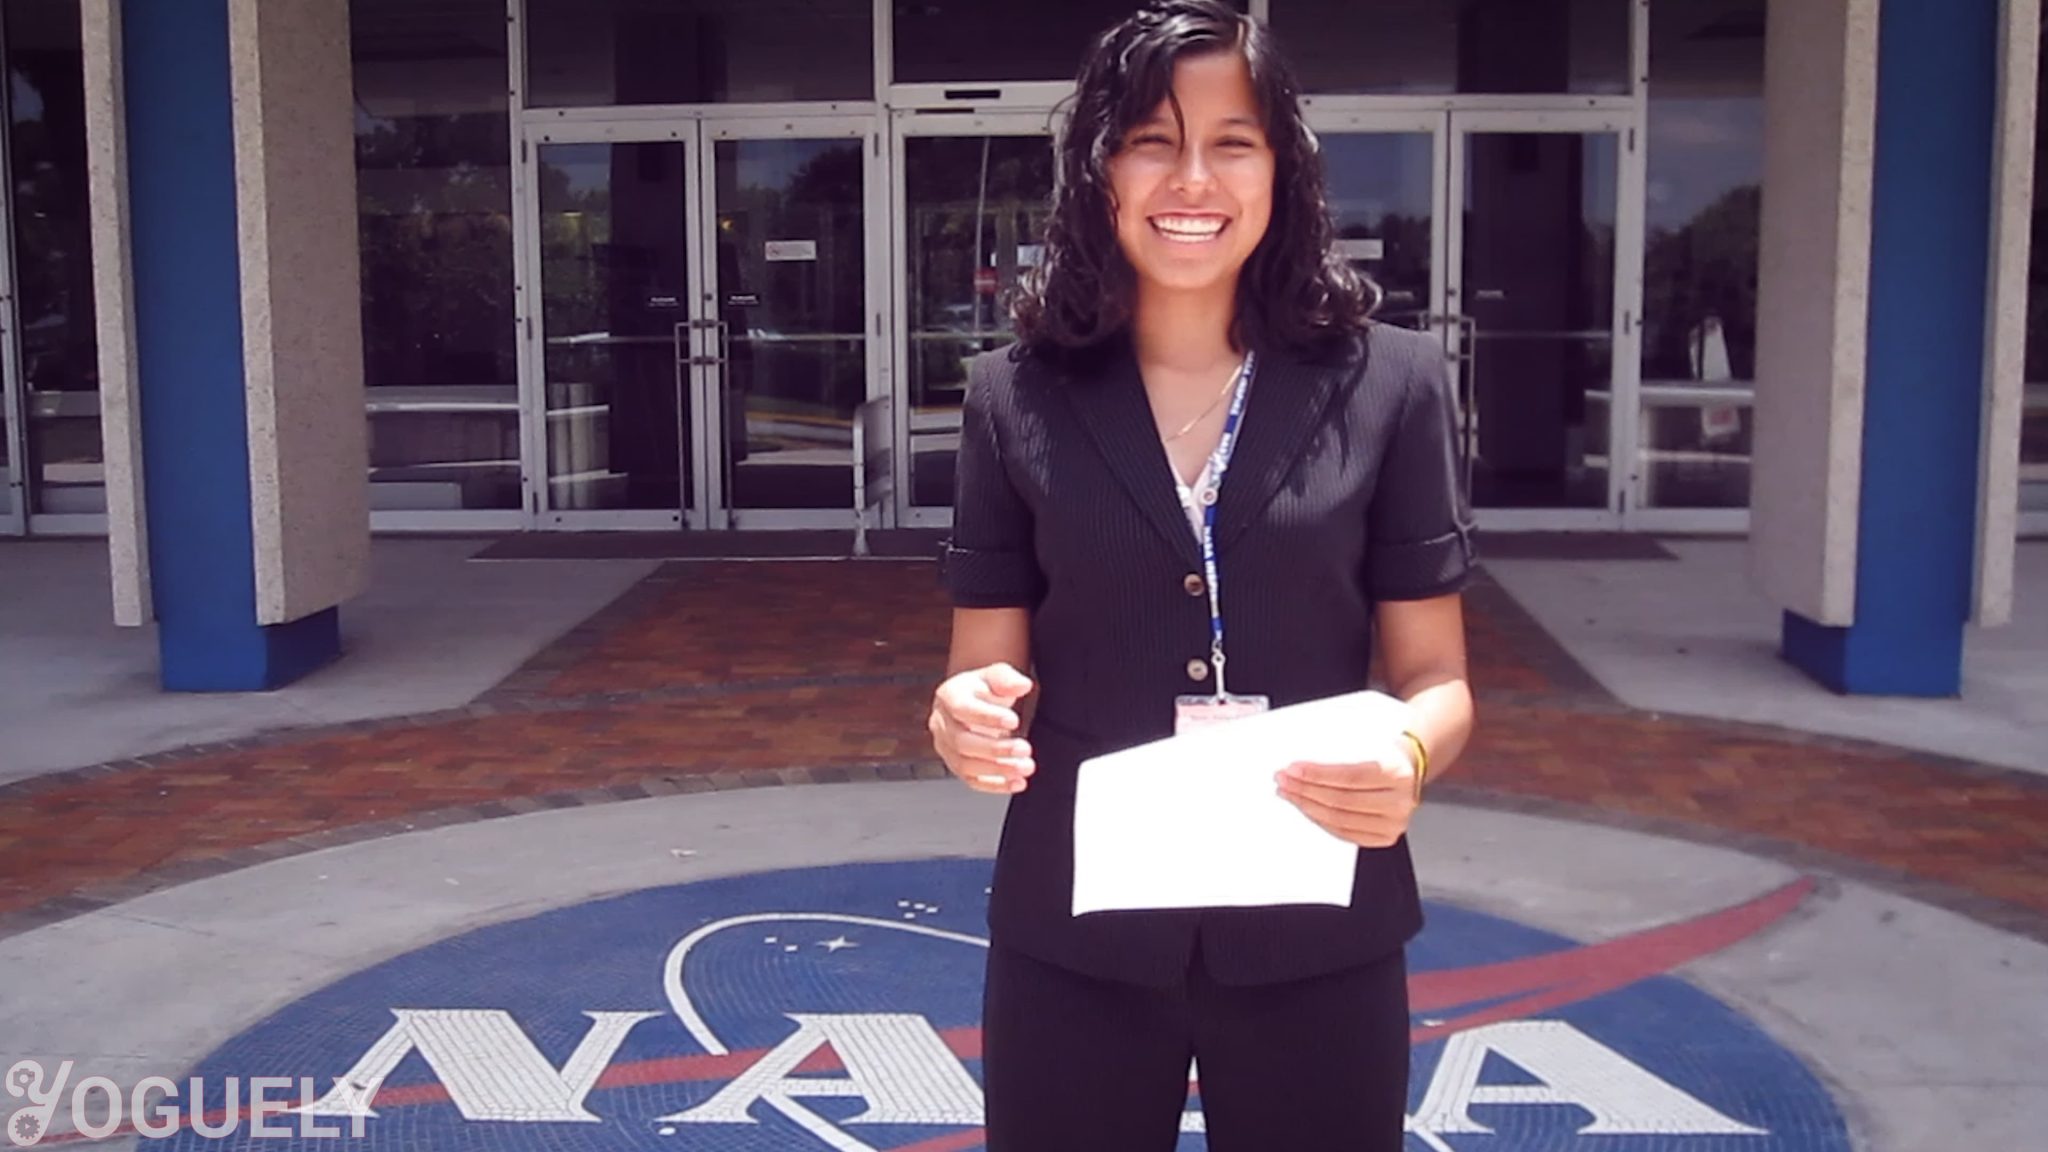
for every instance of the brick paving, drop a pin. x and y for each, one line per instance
(725, 675)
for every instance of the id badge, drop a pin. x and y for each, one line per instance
(1193, 712)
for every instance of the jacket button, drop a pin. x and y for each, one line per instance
(1194, 585)
(1198, 669)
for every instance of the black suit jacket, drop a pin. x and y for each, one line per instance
(1342, 492)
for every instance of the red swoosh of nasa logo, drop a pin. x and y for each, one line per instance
(1535, 983)
(1512, 989)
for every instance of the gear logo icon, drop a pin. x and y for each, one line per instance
(25, 1129)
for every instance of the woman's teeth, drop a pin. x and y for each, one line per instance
(1188, 229)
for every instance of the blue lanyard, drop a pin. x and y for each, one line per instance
(1219, 463)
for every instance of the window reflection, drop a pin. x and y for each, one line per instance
(792, 274)
(614, 278)
(434, 196)
(946, 40)
(1381, 192)
(977, 207)
(1706, 131)
(585, 53)
(53, 256)
(1435, 47)
(1538, 283)
(941, 40)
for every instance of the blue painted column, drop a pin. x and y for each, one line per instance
(189, 360)
(1929, 267)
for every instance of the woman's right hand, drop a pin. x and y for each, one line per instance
(974, 725)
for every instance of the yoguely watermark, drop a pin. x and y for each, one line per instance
(258, 1106)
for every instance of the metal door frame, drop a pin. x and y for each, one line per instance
(1370, 116)
(1626, 361)
(684, 131)
(14, 478)
(1338, 120)
(905, 125)
(1450, 122)
(735, 126)
(699, 366)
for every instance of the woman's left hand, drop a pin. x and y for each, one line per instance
(1368, 804)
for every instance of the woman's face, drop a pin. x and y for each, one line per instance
(1191, 208)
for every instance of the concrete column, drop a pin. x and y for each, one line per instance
(1875, 321)
(225, 237)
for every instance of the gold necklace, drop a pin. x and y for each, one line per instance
(1190, 425)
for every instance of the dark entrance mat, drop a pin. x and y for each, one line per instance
(1571, 546)
(924, 544)
(893, 544)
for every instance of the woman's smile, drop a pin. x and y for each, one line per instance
(1190, 228)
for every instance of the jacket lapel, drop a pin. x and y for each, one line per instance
(1288, 402)
(1111, 405)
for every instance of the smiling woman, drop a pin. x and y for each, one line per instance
(1192, 321)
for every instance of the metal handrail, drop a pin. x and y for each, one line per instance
(1543, 334)
(804, 338)
(1463, 383)
(686, 359)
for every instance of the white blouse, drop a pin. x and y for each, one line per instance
(1189, 502)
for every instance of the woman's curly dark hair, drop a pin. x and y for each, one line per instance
(1295, 291)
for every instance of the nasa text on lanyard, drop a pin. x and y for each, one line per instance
(1194, 711)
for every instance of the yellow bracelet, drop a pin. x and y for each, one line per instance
(1421, 763)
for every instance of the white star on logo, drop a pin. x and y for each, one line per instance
(836, 943)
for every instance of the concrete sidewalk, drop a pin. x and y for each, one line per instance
(433, 632)
(1690, 637)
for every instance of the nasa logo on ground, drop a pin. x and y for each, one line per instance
(837, 1008)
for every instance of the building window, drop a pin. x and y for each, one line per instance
(52, 234)
(942, 41)
(593, 53)
(1706, 143)
(1437, 47)
(434, 188)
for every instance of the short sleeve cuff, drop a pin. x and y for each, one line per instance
(1422, 569)
(978, 578)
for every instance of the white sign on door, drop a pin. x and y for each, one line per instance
(786, 251)
(1367, 249)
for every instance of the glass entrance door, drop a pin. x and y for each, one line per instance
(710, 297)
(1501, 232)
(614, 418)
(704, 325)
(972, 195)
(1386, 178)
(788, 323)
(1532, 277)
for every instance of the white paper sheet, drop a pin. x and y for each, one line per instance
(1197, 821)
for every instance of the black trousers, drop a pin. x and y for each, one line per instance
(1075, 1064)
